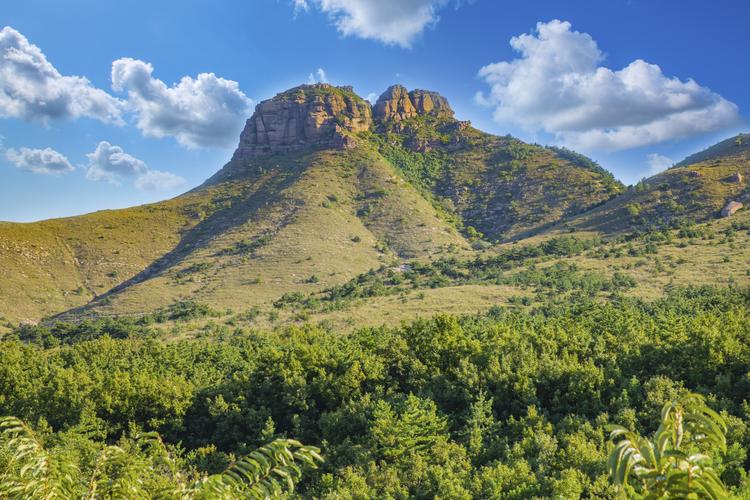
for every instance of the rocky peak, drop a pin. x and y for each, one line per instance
(397, 104)
(318, 115)
(429, 102)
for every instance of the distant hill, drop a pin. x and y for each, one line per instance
(322, 188)
(694, 190)
(737, 147)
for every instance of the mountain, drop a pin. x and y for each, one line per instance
(500, 186)
(694, 190)
(322, 187)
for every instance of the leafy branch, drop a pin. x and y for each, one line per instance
(33, 472)
(674, 462)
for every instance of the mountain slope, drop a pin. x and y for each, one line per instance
(57, 264)
(321, 188)
(694, 190)
(308, 221)
(501, 186)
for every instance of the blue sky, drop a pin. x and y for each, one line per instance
(107, 104)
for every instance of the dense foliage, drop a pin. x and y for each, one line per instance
(508, 404)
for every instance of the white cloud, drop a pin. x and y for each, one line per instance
(372, 97)
(157, 180)
(557, 85)
(110, 163)
(199, 112)
(658, 163)
(32, 89)
(319, 76)
(40, 161)
(393, 22)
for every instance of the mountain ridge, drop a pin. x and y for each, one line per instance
(322, 187)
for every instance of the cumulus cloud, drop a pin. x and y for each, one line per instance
(319, 76)
(558, 85)
(372, 97)
(32, 89)
(40, 161)
(199, 112)
(157, 180)
(393, 22)
(658, 163)
(110, 163)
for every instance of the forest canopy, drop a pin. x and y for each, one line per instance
(512, 403)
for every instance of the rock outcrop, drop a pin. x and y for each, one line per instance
(736, 178)
(397, 104)
(429, 102)
(324, 116)
(319, 116)
(731, 208)
(394, 104)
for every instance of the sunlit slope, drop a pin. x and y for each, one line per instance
(324, 187)
(694, 190)
(300, 222)
(54, 265)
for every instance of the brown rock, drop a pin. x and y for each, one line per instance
(428, 102)
(317, 115)
(736, 177)
(397, 104)
(394, 104)
(731, 208)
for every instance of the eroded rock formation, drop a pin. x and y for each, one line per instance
(324, 116)
(397, 104)
(319, 115)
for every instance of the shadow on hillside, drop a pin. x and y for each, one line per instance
(241, 210)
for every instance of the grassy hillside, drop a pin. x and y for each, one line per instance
(322, 193)
(57, 264)
(520, 275)
(294, 223)
(736, 147)
(695, 189)
(500, 186)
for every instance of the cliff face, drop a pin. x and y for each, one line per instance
(397, 104)
(323, 116)
(317, 115)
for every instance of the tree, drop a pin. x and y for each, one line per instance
(33, 472)
(675, 462)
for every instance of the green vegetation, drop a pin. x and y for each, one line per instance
(694, 190)
(282, 299)
(245, 247)
(557, 278)
(676, 462)
(141, 467)
(500, 186)
(613, 184)
(514, 403)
